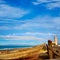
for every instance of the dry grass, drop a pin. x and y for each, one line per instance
(33, 52)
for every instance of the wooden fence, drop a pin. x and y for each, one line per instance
(52, 50)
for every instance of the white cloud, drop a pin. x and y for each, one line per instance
(11, 12)
(46, 22)
(10, 37)
(38, 33)
(50, 4)
(39, 22)
(40, 1)
(8, 20)
(33, 34)
(53, 5)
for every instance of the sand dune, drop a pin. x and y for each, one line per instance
(21, 53)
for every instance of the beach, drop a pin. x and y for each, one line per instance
(23, 53)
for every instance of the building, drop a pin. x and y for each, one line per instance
(55, 40)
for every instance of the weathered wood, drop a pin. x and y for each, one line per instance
(53, 51)
(50, 54)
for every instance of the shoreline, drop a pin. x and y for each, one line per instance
(21, 53)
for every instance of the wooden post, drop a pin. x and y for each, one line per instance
(49, 51)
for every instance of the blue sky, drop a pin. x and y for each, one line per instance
(29, 22)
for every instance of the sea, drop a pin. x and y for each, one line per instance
(4, 47)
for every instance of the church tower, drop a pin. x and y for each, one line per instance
(55, 40)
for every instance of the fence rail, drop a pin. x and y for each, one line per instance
(52, 51)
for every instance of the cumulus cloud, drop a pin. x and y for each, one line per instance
(7, 11)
